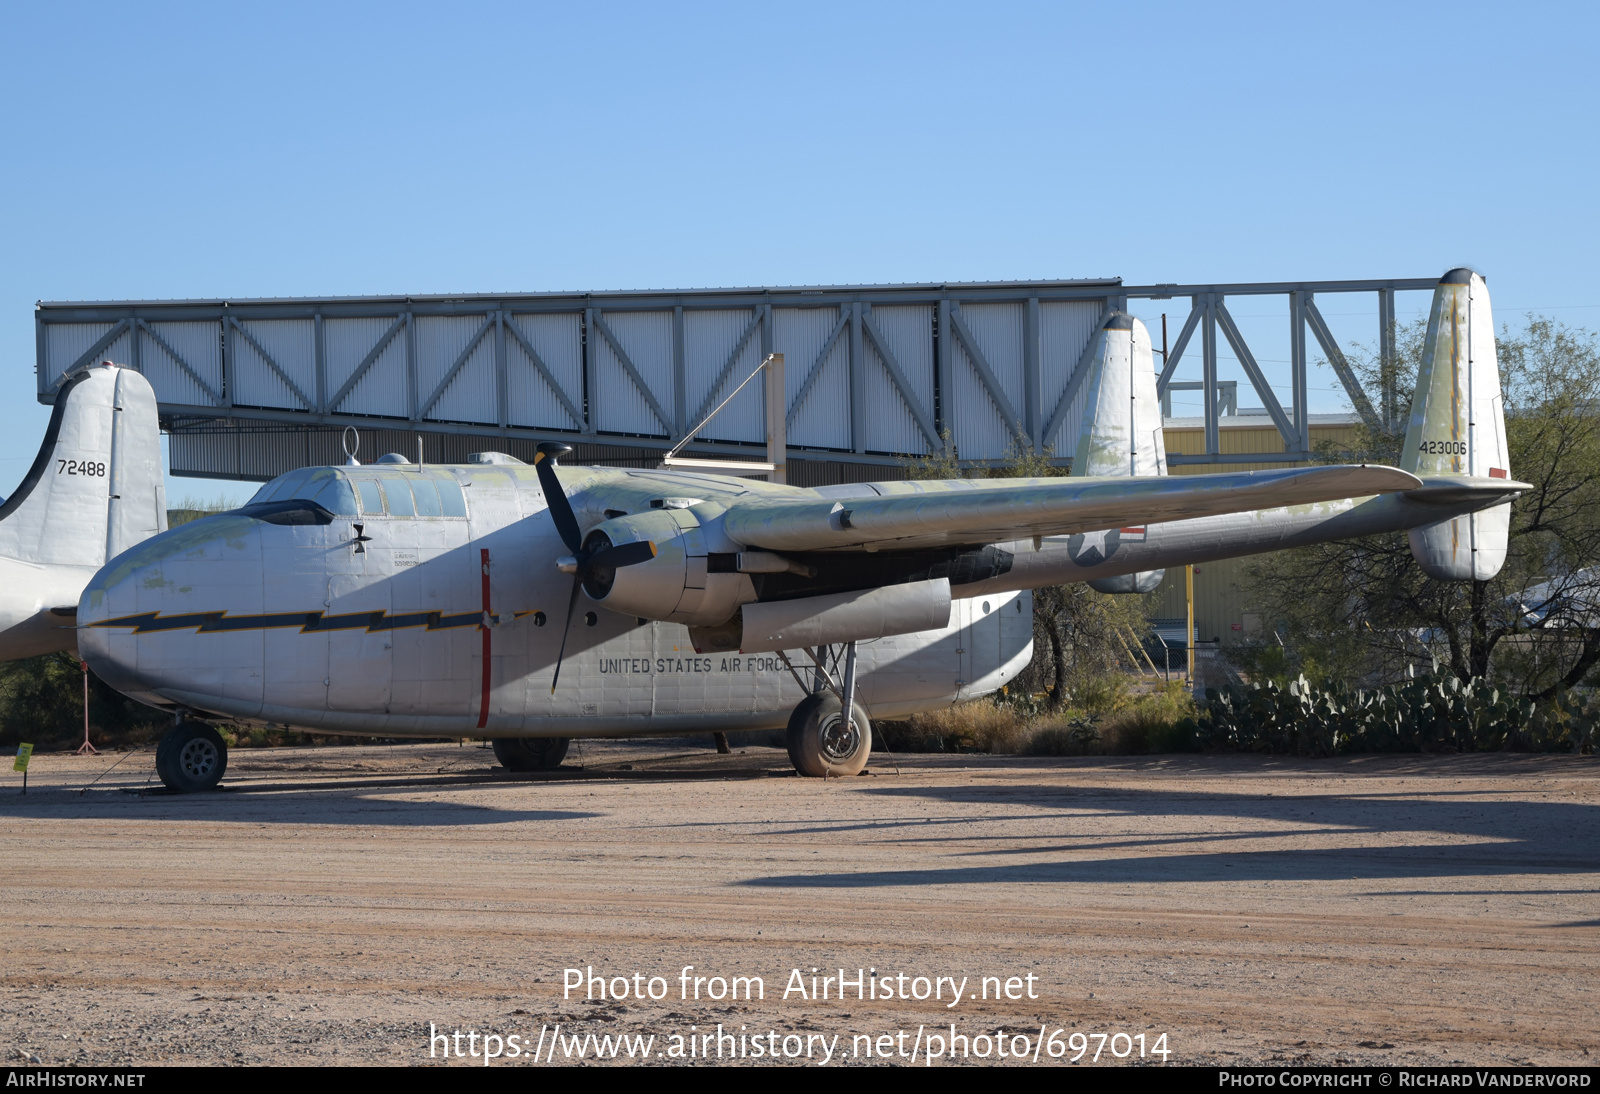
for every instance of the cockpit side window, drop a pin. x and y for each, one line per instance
(412, 495)
(371, 499)
(397, 492)
(451, 498)
(427, 497)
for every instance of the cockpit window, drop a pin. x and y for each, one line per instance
(337, 497)
(397, 492)
(396, 495)
(411, 495)
(451, 497)
(426, 495)
(371, 499)
(308, 482)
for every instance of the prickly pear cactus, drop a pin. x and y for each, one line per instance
(1432, 713)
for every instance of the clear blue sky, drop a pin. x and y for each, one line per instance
(159, 151)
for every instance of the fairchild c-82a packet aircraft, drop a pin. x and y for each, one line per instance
(533, 604)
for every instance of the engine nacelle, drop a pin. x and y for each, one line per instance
(674, 586)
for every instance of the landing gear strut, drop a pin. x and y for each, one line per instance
(822, 741)
(191, 757)
(530, 753)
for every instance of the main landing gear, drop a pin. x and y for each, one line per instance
(191, 757)
(531, 753)
(822, 742)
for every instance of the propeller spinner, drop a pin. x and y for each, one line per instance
(593, 561)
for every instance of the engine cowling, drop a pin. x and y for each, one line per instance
(675, 586)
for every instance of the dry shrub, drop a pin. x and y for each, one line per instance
(1155, 722)
(1073, 737)
(979, 726)
(1100, 694)
(1107, 719)
(1112, 721)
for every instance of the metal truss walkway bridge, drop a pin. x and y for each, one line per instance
(251, 388)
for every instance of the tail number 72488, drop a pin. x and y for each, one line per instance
(80, 467)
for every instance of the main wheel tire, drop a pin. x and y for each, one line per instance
(821, 744)
(191, 757)
(531, 753)
(164, 757)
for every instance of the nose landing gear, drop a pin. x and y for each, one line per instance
(191, 757)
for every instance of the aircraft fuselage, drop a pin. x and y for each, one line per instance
(449, 623)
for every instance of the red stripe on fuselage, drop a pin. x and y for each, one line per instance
(483, 704)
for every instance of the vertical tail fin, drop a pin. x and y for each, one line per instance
(95, 488)
(1458, 427)
(1121, 433)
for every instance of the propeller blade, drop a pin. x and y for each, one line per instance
(628, 554)
(555, 497)
(572, 602)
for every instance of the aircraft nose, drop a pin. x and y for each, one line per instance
(138, 616)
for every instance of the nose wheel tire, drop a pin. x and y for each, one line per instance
(191, 757)
(531, 753)
(822, 744)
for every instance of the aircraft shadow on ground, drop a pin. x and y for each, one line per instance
(285, 808)
(1518, 837)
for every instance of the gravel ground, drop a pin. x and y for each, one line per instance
(329, 904)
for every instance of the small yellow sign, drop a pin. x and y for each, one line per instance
(24, 753)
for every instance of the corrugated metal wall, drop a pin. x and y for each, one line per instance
(385, 388)
(531, 400)
(709, 341)
(470, 395)
(66, 343)
(888, 422)
(1222, 589)
(1065, 328)
(291, 345)
(1220, 599)
(183, 358)
(1233, 437)
(616, 403)
(816, 372)
(980, 430)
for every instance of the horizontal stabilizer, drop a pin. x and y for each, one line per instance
(1462, 489)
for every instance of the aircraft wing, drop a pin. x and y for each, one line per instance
(947, 513)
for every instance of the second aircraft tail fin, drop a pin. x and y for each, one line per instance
(1121, 433)
(1458, 427)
